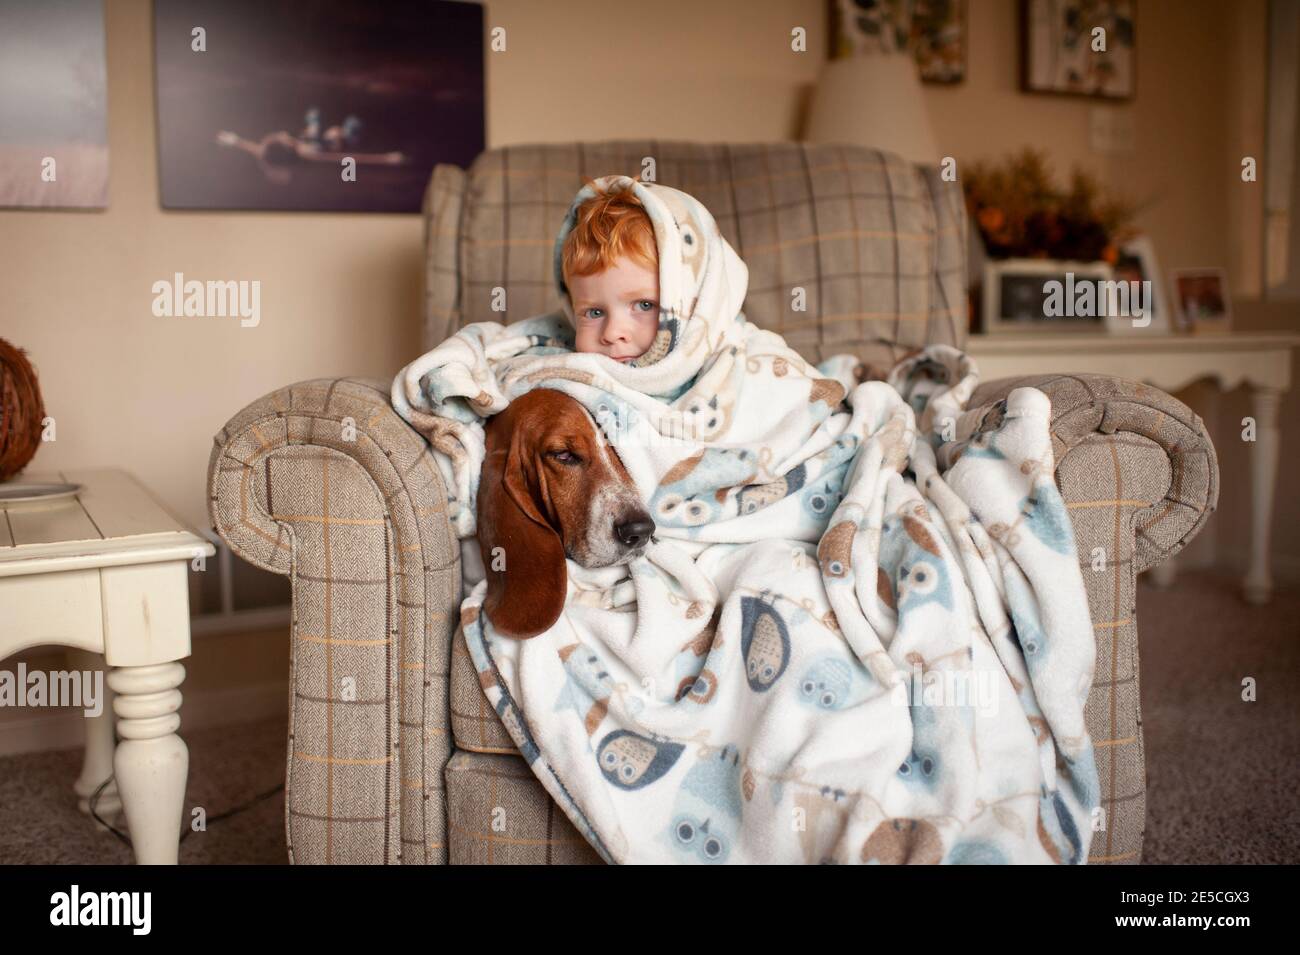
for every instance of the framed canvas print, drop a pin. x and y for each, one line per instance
(933, 30)
(326, 105)
(938, 37)
(53, 105)
(1201, 299)
(1043, 295)
(1078, 48)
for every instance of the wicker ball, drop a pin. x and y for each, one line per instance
(21, 411)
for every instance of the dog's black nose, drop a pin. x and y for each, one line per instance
(635, 532)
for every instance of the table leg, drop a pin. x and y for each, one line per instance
(97, 764)
(1258, 585)
(152, 762)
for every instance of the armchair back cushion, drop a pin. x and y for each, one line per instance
(849, 249)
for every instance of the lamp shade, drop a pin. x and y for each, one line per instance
(873, 100)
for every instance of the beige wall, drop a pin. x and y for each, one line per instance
(341, 293)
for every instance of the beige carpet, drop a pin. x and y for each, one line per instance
(1222, 775)
(229, 766)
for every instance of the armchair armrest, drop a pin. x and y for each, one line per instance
(322, 481)
(1129, 454)
(1139, 476)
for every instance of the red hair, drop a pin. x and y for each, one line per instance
(608, 226)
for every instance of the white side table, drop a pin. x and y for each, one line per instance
(105, 572)
(1260, 360)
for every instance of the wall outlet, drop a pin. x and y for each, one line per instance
(1111, 130)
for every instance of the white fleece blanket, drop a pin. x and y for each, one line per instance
(861, 634)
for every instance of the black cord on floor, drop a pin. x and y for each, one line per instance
(94, 801)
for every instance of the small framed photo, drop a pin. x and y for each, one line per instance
(1146, 294)
(1201, 298)
(1032, 295)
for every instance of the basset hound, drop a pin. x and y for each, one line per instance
(551, 487)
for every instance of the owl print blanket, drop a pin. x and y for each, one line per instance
(860, 634)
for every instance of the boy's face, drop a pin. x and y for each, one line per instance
(616, 311)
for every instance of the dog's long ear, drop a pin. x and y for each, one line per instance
(523, 557)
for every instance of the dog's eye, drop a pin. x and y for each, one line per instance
(564, 456)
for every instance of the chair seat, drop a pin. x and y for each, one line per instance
(499, 814)
(475, 726)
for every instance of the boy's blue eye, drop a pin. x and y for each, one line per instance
(592, 312)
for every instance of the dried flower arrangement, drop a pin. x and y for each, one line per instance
(1022, 214)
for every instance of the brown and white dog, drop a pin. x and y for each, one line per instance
(551, 487)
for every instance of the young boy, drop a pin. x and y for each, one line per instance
(610, 262)
(611, 268)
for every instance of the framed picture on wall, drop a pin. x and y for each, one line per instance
(933, 30)
(1078, 48)
(938, 37)
(348, 109)
(53, 105)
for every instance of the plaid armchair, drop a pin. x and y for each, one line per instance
(323, 482)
